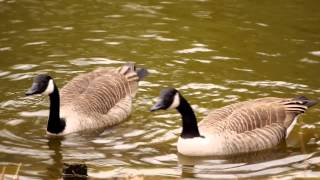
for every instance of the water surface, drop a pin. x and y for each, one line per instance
(215, 52)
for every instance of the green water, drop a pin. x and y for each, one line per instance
(215, 52)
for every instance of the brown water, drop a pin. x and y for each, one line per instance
(215, 52)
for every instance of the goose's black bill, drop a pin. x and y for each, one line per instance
(35, 89)
(159, 105)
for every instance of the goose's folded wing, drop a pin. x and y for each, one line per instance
(255, 140)
(255, 116)
(216, 119)
(220, 114)
(101, 83)
(250, 115)
(103, 94)
(79, 84)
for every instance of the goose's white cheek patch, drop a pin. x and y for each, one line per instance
(49, 89)
(176, 101)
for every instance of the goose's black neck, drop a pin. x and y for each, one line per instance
(55, 124)
(189, 120)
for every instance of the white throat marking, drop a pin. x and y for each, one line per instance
(49, 89)
(176, 101)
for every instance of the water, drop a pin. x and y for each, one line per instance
(215, 52)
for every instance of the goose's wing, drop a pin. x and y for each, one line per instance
(100, 90)
(79, 84)
(219, 114)
(255, 140)
(212, 121)
(254, 114)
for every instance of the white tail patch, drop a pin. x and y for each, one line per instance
(49, 89)
(289, 129)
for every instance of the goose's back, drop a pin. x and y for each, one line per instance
(248, 115)
(101, 89)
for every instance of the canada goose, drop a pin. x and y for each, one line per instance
(97, 99)
(237, 128)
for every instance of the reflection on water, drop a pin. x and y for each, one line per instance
(269, 162)
(216, 52)
(54, 170)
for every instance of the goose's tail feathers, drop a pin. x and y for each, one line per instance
(305, 101)
(141, 72)
(132, 73)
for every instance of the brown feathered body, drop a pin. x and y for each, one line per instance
(98, 99)
(245, 127)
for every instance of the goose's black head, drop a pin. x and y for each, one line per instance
(42, 84)
(169, 99)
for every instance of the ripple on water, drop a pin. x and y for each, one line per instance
(228, 98)
(15, 122)
(38, 29)
(248, 166)
(26, 151)
(160, 160)
(94, 60)
(19, 76)
(65, 28)
(108, 162)
(243, 69)
(136, 173)
(203, 61)
(269, 54)
(114, 16)
(11, 104)
(103, 141)
(202, 14)
(134, 133)
(57, 55)
(24, 66)
(36, 43)
(240, 90)
(204, 86)
(158, 37)
(83, 155)
(40, 113)
(113, 43)
(5, 49)
(315, 53)
(94, 39)
(194, 50)
(309, 61)
(270, 164)
(269, 83)
(223, 58)
(4, 73)
(142, 8)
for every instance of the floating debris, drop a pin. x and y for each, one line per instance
(75, 171)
